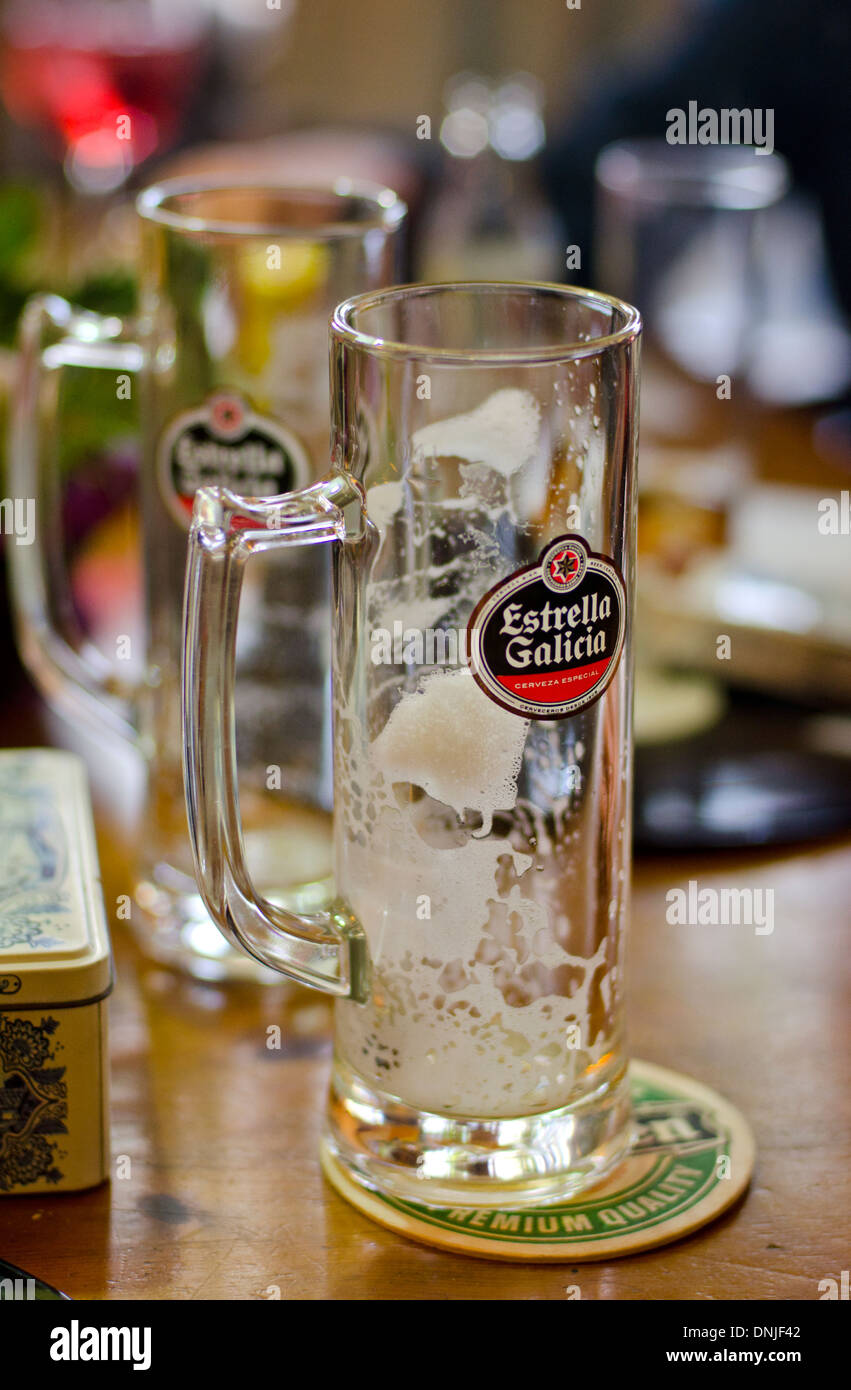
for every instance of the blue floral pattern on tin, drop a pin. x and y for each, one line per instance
(34, 904)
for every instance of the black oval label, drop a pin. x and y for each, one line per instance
(224, 442)
(546, 642)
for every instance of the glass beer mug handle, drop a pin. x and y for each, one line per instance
(324, 949)
(67, 668)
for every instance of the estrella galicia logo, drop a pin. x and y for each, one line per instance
(564, 564)
(545, 643)
(224, 442)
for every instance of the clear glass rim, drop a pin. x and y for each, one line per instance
(345, 330)
(384, 209)
(646, 169)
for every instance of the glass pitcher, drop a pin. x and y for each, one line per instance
(480, 513)
(229, 358)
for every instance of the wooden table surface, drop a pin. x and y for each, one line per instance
(224, 1197)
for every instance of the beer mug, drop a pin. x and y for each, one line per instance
(230, 348)
(479, 508)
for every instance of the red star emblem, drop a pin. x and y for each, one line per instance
(564, 566)
(226, 415)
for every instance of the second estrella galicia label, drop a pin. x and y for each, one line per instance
(224, 442)
(545, 642)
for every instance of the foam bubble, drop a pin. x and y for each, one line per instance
(455, 743)
(502, 433)
(382, 503)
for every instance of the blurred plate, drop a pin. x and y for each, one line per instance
(767, 773)
(781, 592)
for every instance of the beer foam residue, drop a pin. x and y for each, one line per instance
(382, 503)
(450, 739)
(479, 969)
(502, 433)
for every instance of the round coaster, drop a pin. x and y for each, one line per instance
(692, 1157)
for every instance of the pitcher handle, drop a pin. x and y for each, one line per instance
(324, 949)
(72, 673)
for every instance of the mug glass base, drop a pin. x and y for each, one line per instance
(450, 1161)
(173, 927)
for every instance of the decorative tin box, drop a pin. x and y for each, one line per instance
(55, 975)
